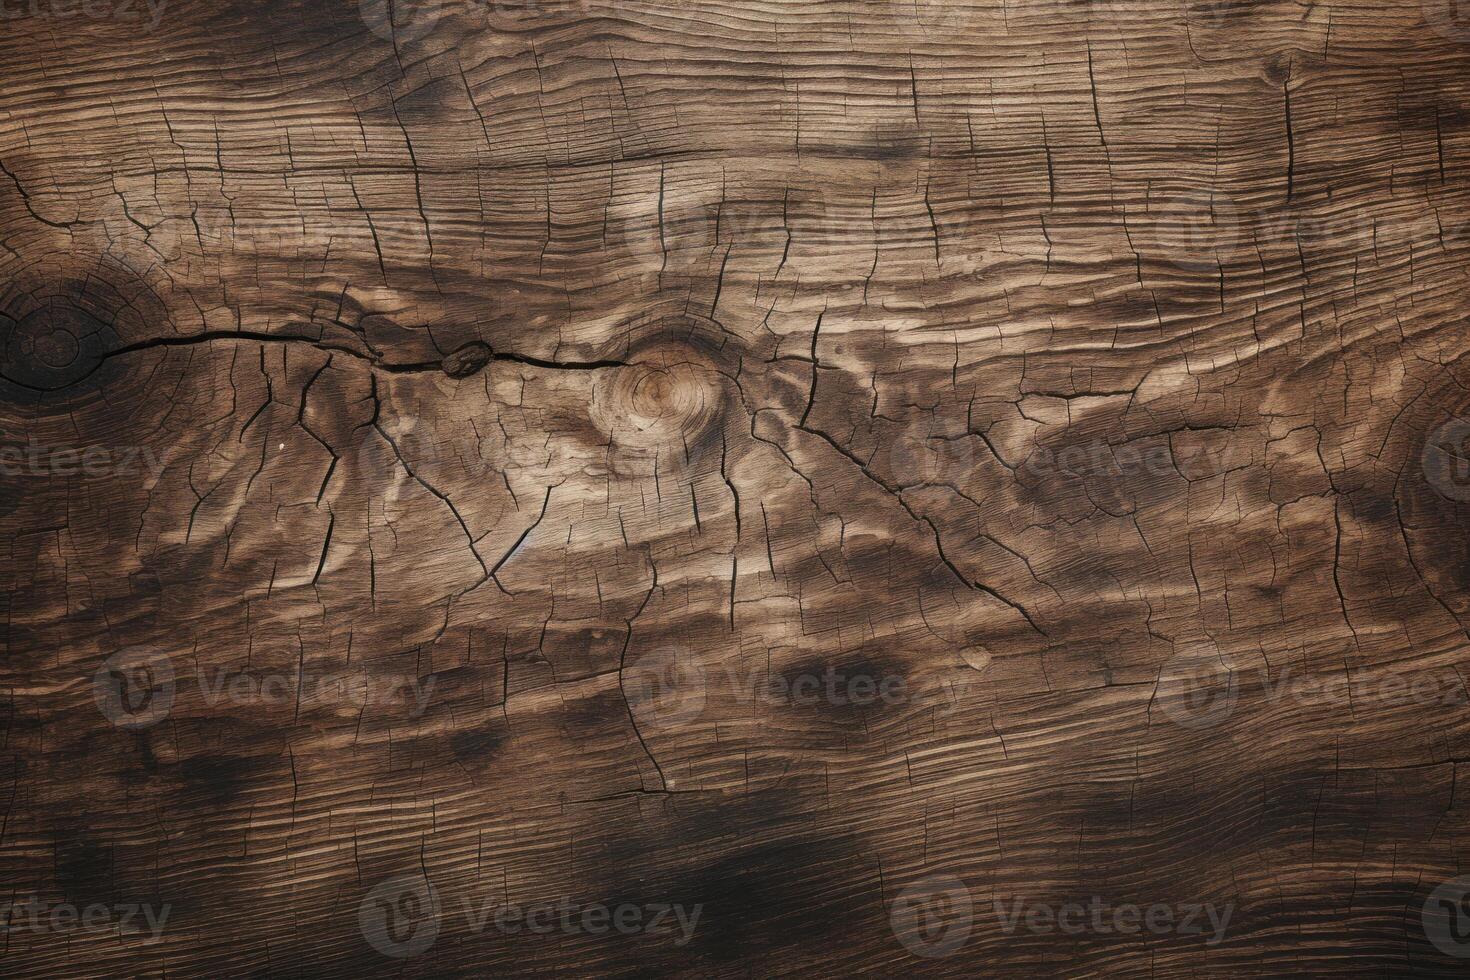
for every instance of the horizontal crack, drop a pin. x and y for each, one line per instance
(376, 363)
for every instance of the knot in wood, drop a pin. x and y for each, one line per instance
(670, 398)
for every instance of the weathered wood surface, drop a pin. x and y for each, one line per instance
(1034, 358)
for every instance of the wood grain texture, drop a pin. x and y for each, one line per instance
(763, 458)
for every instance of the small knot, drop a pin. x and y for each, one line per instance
(669, 398)
(53, 347)
(468, 360)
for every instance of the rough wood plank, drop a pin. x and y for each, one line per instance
(864, 478)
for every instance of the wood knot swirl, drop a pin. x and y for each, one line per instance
(52, 347)
(669, 399)
(58, 329)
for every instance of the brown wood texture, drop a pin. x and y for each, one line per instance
(845, 472)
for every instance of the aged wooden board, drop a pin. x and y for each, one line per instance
(807, 486)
